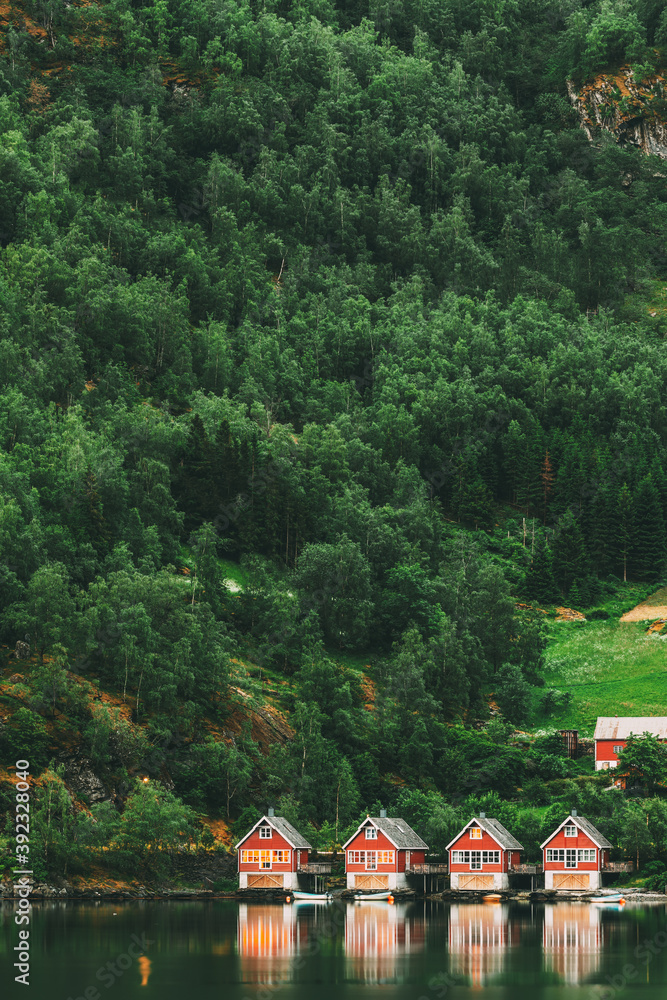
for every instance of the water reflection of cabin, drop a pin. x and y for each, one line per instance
(482, 855)
(572, 940)
(381, 852)
(378, 936)
(479, 936)
(272, 855)
(268, 938)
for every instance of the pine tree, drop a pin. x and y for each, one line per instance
(649, 538)
(569, 553)
(547, 477)
(603, 527)
(198, 493)
(625, 522)
(575, 597)
(540, 584)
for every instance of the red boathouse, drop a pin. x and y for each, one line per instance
(271, 854)
(574, 855)
(381, 852)
(482, 854)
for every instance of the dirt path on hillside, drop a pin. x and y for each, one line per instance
(654, 606)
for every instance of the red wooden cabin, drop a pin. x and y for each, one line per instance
(271, 854)
(482, 854)
(574, 855)
(611, 736)
(381, 852)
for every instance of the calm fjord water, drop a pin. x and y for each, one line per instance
(422, 950)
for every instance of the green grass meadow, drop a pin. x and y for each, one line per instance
(610, 668)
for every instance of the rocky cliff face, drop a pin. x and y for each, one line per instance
(634, 112)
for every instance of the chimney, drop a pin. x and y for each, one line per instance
(573, 812)
(383, 813)
(482, 815)
(271, 811)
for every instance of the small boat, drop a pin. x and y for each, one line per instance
(312, 897)
(362, 898)
(612, 897)
(492, 897)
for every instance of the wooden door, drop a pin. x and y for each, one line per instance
(475, 881)
(371, 882)
(572, 880)
(265, 881)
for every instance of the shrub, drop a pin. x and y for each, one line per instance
(554, 700)
(25, 736)
(108, 737)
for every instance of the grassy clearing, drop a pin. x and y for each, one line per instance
(652, 299)
(232, 571)
(610, 669)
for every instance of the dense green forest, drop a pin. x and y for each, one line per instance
(327, 358)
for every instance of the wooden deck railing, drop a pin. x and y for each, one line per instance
(427, 869)
(618, 866)
(525, 869)
(315, 869)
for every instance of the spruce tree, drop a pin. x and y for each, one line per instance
(570, 561)
(540, 584)
(649, 538)
(625, 532)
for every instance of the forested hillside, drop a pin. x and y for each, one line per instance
(328, 337)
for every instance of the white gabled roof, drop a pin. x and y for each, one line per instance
(615, 728)
(397, 832)
(585, 827)
(281, 826)
(496, 830)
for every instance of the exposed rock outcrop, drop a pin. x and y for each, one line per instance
(83, 781)
(634, 112)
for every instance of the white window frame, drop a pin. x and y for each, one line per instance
(371, 861)
(263, 860)
(475, 833)
(618, 749)
(265, 832)
(560, 855)
(571, 857)
(582, 851)
(571, 830)
(371, 833)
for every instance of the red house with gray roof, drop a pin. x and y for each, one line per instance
(481, 855)
(574, 855)
(380, 853)
(271, 854)
(611, 736)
